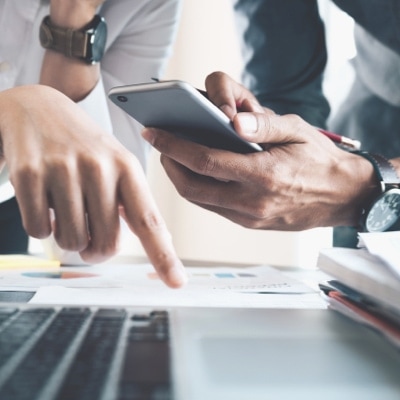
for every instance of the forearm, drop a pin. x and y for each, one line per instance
(70, 76)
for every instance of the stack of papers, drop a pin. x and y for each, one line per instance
(367, 282)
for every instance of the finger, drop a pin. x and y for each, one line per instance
(32, 200)
(268, 127)
(219, 164)
(251, 105)
(66, 199)
(226, 93)
(204, 190)
(101, 204)
(144, 219)
(244, 219)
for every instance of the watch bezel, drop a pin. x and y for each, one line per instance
(382, 225)
(96, 31)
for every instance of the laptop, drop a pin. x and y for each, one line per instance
(56, 353)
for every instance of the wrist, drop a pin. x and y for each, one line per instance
(361, 186)
(72, 14)
(383, 212)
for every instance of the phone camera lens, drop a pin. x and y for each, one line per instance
(122, 99)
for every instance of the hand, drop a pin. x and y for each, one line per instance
(59, 159)
(301, 180)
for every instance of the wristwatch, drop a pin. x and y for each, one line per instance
(383, 214)
(86, 44)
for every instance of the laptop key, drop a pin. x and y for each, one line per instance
(6, 313)
(19, 330)
(33, 371)
(88, 372)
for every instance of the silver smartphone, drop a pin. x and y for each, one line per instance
(179, 108)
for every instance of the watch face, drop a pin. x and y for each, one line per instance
(385, 212)
(98, 37)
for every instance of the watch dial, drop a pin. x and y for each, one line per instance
(385, 212)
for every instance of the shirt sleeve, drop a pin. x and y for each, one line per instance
(140, 41)
(284, 51)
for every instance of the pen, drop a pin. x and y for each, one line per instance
(343, 140)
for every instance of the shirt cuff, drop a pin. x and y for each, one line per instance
(95, 104)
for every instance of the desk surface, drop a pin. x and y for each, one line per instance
(312, 367)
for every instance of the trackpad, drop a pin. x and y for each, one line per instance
(291, 367)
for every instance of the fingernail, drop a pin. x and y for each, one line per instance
(148, 134)
(248, 122)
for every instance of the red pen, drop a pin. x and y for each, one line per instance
(343, 140)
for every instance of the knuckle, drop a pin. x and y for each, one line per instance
(161, 144)
(61, 166)
(186, 191)
(70, 242)
(161, 260)
(95, 253)
(264, 124)
(261, 211)
(205, 163)
(149, 222)
(295, 121)
(37, 229)
(24, 176)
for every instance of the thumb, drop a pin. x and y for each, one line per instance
(253, 126)
(266, 127)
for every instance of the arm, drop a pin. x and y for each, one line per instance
(301, 180)
(283, 46)
(68, 164)
(140, 38)
(68, 75)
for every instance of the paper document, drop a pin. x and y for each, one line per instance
(259, 286)
(385, 245)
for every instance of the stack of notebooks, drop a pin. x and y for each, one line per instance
(366, 284)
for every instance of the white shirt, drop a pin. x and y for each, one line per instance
(140, 38)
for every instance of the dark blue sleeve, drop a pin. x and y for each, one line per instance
(284, 50)
(381, 18)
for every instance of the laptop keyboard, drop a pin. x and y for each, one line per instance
(84, 353)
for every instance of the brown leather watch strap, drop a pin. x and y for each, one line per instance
(72, 43)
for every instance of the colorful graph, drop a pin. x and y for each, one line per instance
(59, 274)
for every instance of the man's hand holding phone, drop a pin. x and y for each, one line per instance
(300, 180)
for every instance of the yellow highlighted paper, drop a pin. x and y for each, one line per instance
(22, 261)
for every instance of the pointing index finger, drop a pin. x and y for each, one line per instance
(144, 219)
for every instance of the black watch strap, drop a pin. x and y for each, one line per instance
(383, 168)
